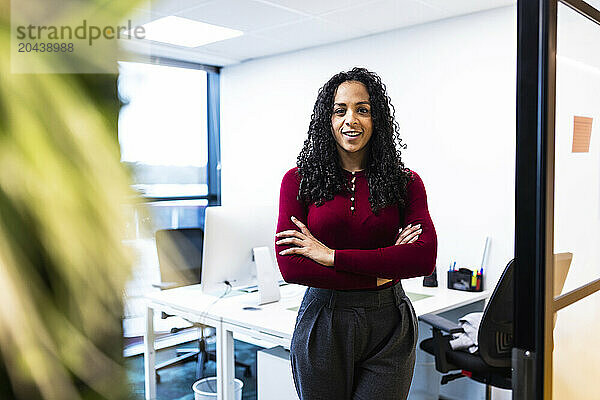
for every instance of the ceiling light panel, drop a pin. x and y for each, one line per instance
(186, 32)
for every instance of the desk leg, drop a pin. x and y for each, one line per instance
(225, 364)
(149, 356)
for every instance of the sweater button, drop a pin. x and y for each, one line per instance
(352, 208)
(351, 198)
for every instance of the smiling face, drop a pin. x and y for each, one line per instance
(351, 121)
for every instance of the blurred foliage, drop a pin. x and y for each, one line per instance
(63, 192)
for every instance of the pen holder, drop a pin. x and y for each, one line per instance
(463, 279)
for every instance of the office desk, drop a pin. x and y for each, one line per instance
(187, 302)
(272, 323)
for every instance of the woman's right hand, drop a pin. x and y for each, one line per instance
(410, 234)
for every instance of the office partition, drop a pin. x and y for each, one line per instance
(557, 196)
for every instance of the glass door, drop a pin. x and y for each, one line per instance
(557, 240)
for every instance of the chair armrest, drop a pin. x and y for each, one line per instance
(440, 323)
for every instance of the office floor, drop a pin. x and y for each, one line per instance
(176, 381)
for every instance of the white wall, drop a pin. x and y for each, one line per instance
(453, 84)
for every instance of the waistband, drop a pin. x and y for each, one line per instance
(364, 298)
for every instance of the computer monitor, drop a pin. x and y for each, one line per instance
(230, 234)
(179, 256)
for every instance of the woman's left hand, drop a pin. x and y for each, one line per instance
(307, 245)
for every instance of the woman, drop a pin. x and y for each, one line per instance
(340, 232)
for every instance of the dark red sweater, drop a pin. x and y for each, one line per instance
(363, 242)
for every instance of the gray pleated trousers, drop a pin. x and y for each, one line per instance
(354, 344)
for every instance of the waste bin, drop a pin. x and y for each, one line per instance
(206, 388)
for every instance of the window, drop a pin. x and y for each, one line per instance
(165, 135)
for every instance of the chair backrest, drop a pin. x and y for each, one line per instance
(495, 336)
(180, 255)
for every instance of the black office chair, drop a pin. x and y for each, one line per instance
(491, 363)
(180, 264)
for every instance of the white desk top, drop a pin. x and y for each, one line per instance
(442, 299)
(276, 319)
(185, 300)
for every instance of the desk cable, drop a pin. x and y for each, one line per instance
(228, 290)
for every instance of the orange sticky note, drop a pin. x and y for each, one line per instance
(582, 131)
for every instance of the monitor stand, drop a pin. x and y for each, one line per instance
(268, 285)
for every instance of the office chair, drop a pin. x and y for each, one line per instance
(180, 263)
(491, 363)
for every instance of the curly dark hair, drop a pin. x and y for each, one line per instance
(318, 162)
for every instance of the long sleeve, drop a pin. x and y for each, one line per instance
(303, 270)
(398, 261)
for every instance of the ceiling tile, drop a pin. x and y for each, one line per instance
(311, 32)
(245, 15)
(384, 15)
(171, 7)
(316, 7)
(141, 16)
(460, 7)
(243, 47)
